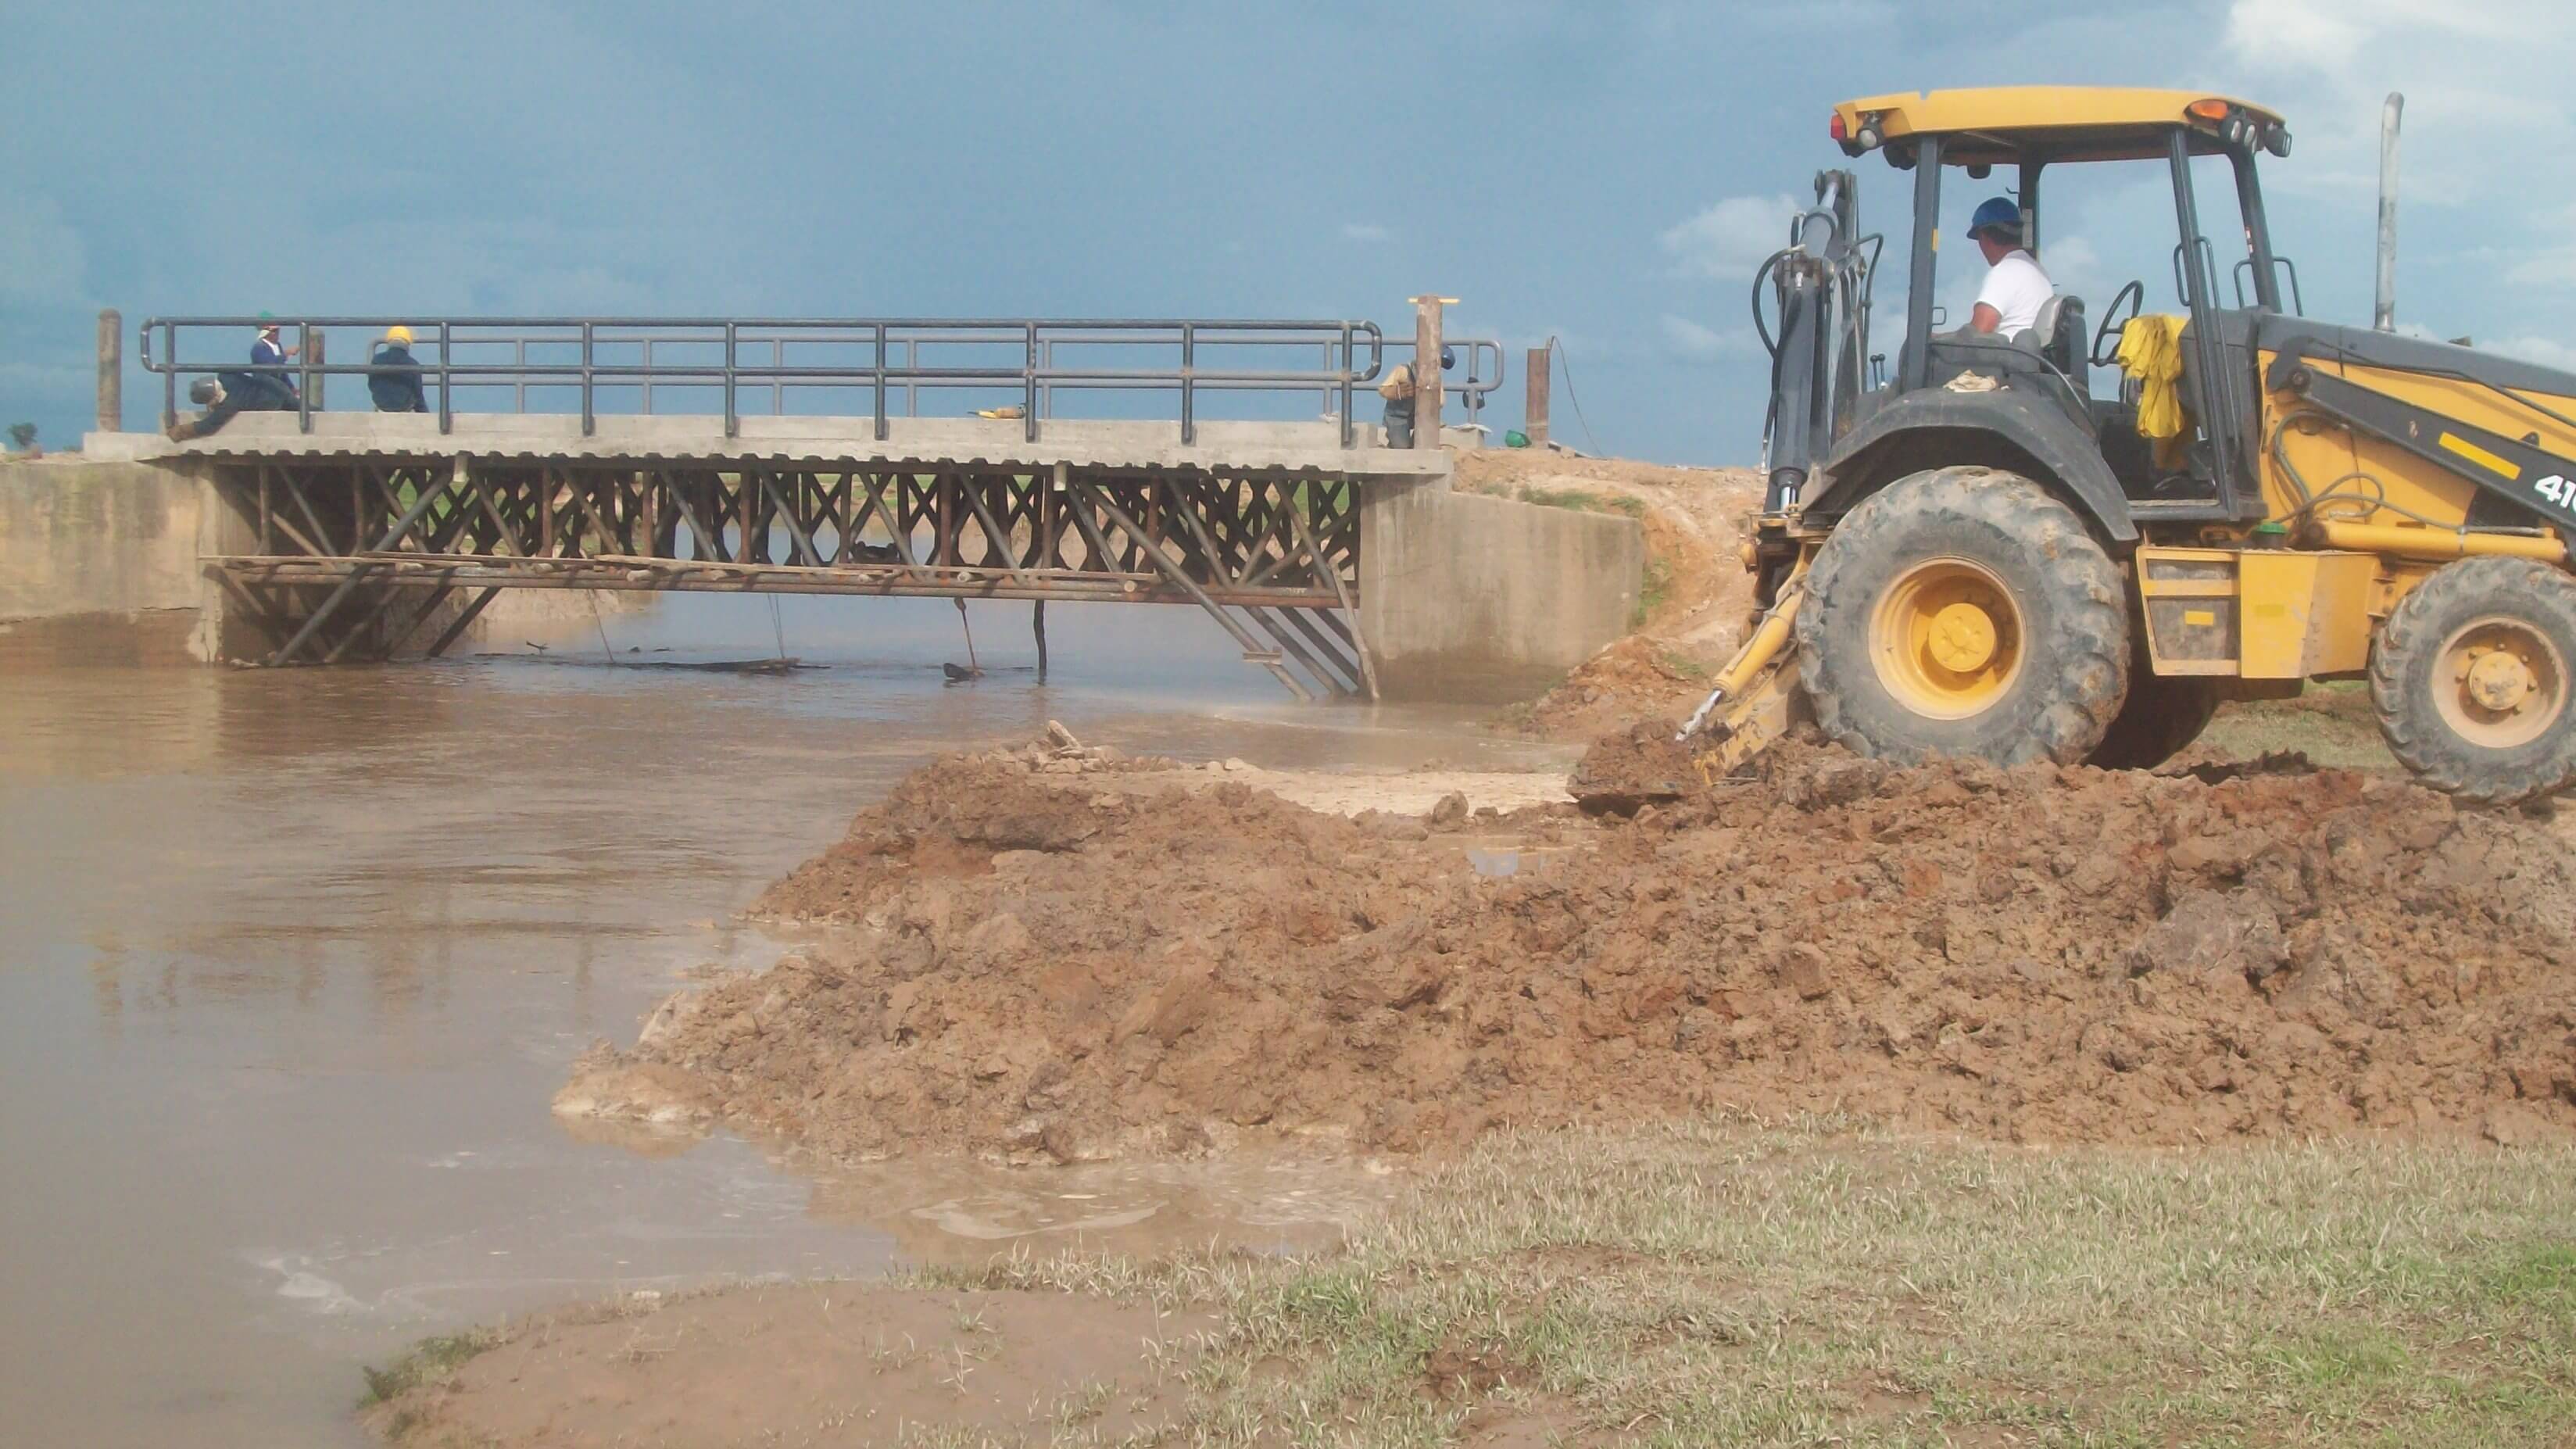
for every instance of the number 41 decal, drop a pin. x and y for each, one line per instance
(2557, 490)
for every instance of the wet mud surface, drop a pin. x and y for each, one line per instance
(1043, 958)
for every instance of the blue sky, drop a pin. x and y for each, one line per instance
(1606, 173)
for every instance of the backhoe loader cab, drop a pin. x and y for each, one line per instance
(1973, 553)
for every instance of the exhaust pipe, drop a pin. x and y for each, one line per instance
(2383, 315)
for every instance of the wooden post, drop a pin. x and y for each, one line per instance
(1426, 369)
(1534, 411)
(111, 371)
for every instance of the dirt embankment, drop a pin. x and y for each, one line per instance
(1697, 594)
(1048, 961)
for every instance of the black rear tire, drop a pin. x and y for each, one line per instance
(2063, 620)
(2421, 685)
(2162, 716)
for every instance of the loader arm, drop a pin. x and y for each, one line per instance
(2517, 469)
(1756, 698)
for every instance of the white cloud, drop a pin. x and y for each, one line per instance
(1731, 238)
(2547, 351)
(1696, 342)
(1363, 231)
(2282, 34)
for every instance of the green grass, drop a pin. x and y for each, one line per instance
(1681, 666)
(1583, 500)
(1654, 590)
(2331, 724)
(428, 1362)
(1732, 1283)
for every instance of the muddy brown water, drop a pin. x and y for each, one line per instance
(291, 963)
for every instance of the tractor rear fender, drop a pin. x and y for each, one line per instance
(2004, 429)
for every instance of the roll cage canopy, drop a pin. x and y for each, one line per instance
(2011, 125)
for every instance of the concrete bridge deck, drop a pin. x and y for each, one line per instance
(1220, 449)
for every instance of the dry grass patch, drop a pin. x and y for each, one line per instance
(1819, 1282)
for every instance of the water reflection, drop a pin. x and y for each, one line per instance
(291, 963)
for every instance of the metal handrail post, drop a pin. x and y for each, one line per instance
(733, 424)
(446, 393)
(1029, 385)
(880, 382)
(1349, 433)
(778, 376)
(589, 406)
(648, 377)
(519, 388)
(170, 378)
(304, 394)
(1189, 365)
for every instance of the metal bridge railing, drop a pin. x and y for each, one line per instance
(876, 356)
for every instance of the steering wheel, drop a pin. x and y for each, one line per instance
(2106, 339)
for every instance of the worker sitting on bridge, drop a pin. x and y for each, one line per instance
(265, 351)
(393, 374)
(2008, 304)
(1399, 390)
(230, 392)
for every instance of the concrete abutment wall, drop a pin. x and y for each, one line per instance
(1484, 600)
(98, 563)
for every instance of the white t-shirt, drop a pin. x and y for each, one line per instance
(2015, 287)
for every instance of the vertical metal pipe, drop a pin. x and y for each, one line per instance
(2383, 313)
(111, 371)
(777, 382)
(880, 380)
(304, 394)
(1350, 365)
(446, 394)
(648, 377)
(169, 373)
(1538, 369)
(732, 339)
(1189, 364)
(589, 405)
(1029, 386)
(1426, 371)
(519, 387)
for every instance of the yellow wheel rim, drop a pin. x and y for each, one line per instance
(1946, 638)
(2499, 683)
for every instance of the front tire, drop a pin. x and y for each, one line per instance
(2470, 679)
(1965, 612)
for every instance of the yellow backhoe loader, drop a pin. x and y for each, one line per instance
(1976, 555)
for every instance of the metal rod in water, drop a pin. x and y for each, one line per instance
(2383, 315)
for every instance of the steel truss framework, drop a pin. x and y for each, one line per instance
(359, 559)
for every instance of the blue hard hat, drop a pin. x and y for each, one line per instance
(1448, 358)
(1999, 213)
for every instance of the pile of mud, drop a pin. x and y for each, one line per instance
(1044, 961)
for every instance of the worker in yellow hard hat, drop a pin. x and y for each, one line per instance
(393, 374)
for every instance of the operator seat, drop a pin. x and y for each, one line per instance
(2058, 335)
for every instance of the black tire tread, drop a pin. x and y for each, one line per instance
(2092, 617)
(2160, 719)
(2414, 733)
